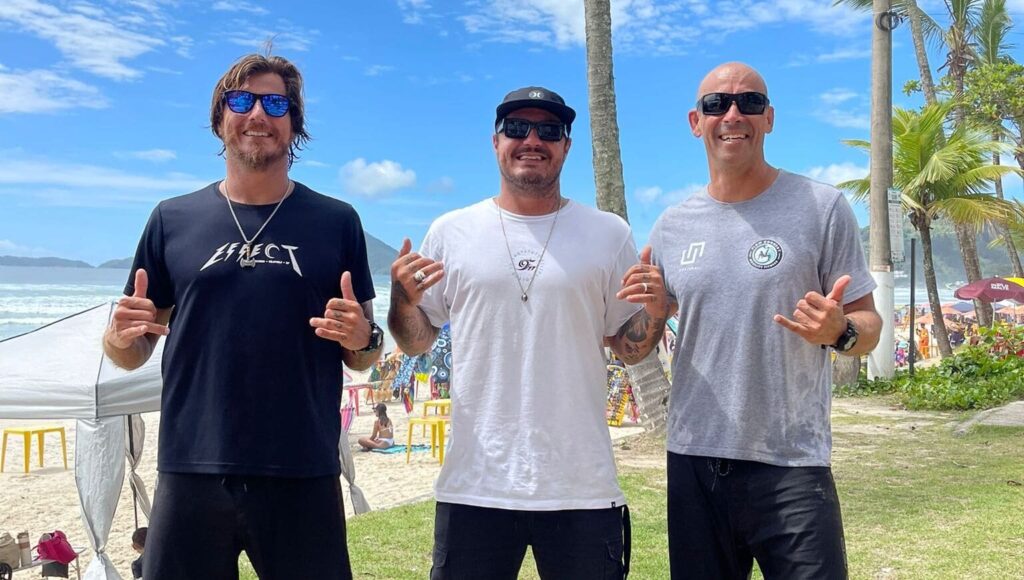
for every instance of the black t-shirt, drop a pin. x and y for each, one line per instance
(249, 388)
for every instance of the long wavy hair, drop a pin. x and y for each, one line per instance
(256, 64)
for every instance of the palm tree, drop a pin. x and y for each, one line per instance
(922, 30)
(650, 384)
(992, 29)
(939, 176)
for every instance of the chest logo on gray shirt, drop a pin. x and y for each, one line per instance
(696, 250)
(765, 254)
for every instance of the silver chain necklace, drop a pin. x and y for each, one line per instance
(526, 291)
(247, 261)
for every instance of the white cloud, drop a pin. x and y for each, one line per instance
(284, 35)
(154, 155)
(239, 6)
(76, 184)
(837, 96)
(370, 179)
(375, 70)
(413, 11)
(848, 53)
(312, 163)
(655, 194)
(837, 172)
(89, 37)
(43, 91)
(650, 26)
(9, 248)
(844, 108)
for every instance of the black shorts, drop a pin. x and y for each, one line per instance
(288, 527)
(472, 543)
(723, 514)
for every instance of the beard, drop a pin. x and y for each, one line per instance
(532, 182)
(257, 158)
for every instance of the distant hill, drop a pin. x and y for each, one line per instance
(949, 265)
(380, 256)
(48, 262)
(122, 264)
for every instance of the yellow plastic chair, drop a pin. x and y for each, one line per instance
(437, 424)
(26, 434)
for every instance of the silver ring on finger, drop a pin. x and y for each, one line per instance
(419, 276)
(645, 287)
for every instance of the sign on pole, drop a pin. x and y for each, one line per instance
(896, 229)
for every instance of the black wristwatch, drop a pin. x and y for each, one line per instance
(376, 338)
(848, 339)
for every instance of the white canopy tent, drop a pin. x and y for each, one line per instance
(60, 372)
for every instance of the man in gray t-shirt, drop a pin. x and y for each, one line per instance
(768, 273)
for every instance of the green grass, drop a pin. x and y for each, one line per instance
(917, 503)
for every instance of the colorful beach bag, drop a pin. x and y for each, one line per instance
(56, 547)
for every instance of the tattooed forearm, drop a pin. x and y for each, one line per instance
(408, 324)
(638, 337)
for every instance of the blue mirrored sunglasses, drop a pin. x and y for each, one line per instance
(242, 102)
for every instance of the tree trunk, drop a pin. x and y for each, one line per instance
(650, 386)
(604, 125)
(969, 253)
(1011, 248)
(920, 50)
(939, 325)
(846, 370)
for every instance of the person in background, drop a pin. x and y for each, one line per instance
(383, 435)
(139, 545)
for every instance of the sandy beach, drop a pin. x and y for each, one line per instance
(46, 498)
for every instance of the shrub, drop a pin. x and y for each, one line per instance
(986, 374)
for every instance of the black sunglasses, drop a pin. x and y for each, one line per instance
(520, 128)
(242, 102)
(750, 103)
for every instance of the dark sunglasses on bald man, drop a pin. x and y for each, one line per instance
(242, 102)
(520, 128)
(716, 104)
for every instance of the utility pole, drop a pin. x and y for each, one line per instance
(880, 361)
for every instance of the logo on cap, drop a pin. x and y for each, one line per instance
(536, 95)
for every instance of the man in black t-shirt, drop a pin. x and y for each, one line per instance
(243, 277)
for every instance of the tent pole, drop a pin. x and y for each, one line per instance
(131, 450)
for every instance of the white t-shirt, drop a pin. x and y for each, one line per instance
(529, 378)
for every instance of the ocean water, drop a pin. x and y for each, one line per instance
(31, 297)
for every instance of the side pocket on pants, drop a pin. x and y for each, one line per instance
(613, 569)
(439, 564)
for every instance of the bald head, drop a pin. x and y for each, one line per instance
(725, 77)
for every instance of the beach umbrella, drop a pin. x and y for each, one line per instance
(1015, 280)
(963, 307)
(991, 290)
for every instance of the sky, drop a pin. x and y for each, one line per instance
(105, 103)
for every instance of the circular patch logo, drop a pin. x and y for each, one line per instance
(765, 254)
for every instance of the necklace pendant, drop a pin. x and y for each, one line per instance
(524, 297)
(247, 261)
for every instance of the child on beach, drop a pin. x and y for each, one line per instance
(383, 435)
(139, 545)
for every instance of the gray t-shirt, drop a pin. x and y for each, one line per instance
(744, 387)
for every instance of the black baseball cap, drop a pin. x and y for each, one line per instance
(536, 97)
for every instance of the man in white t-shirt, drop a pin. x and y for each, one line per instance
(534, 286)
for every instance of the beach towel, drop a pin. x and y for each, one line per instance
(401, 449)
